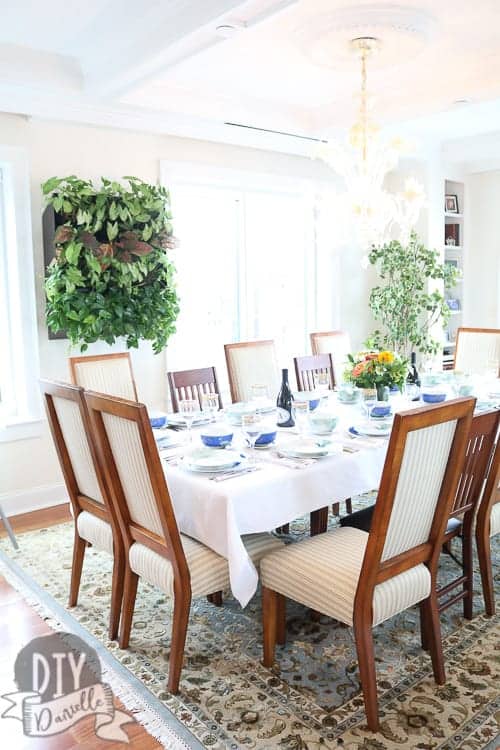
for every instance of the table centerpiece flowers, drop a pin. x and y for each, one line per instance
(378, 371)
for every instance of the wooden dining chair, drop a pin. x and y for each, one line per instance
(336, 343)
(481, 440)
(105, 373)
(251, 363)
(193, 384)
(488, 526)
(154, 549)
(93, 514)
(477, 350)
(308, 366)
(363, 579)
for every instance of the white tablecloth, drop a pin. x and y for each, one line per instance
(219, 513)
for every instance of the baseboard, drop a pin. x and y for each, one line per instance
(25, 501)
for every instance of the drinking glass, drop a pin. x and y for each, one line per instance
(300, 411)
(252, 427)
(411, 391)
(321, 381)
(258, 394)
(369, 401)
(210, 404)
(189, 408)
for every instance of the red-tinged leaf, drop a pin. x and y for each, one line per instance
(141, 248)
(89, 240)
(105, 250)
(63, 234)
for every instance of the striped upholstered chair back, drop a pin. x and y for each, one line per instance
(105, 373)
(478, 350)
(419, 481)
(251, 363)
(135, 477)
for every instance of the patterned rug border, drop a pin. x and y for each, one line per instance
(146, 709)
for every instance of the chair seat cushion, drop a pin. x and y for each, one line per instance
(323, 572)
(209, 571)
(96, 531)
(495, 520)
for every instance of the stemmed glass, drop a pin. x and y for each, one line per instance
(369, 401)
(210, 404)
(251, 426)
(258, 395)
(189, 408)
(321, 381)
(301, 416)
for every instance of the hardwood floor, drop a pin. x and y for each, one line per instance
(19, 623)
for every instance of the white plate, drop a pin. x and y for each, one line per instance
(379, 429)
(310, 449)
(178, 420)
(212, 461)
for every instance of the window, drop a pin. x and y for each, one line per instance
(246, 265)
(19, 400)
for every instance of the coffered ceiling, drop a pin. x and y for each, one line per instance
(282, 65)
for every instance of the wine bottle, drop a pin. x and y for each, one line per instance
(284, 402)
(413, 377)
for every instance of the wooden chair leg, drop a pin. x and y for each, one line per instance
(281, 621)
(129, 595)
(182, 604)
(79, 548)
(215, 598)
(484, 555)
(318, 521)
(116, 593)
(336, 509)
(430, 613)
(366, 660)
(285, 529)
(270, 608)
(348, 504)
(468, 566)
(424, 635)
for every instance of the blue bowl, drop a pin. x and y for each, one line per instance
(266, 438)
(381, 410)
(433, 398)
(157, 419)
(217, 440)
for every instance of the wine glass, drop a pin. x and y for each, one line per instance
(189, 408)
(252, 427)
(210, 404)
(369, 401)
(258, 394)
(300, 411)
(321, 381)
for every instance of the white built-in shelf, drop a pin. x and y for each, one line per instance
(453, 247)
(449, 215)
(449, 344)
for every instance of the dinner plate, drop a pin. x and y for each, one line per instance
(212, 461)
(179, 421)
(164, 439)
(310, 449)
(379, 429)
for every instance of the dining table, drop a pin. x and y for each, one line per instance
(219, 509)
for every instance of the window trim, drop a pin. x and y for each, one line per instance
(20, 297)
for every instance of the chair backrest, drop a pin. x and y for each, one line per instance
(105, 373)
(423, 464)
(308, 366)
(69, 424)
(336, 343)
(193, 384)
(491, 495)
(477, 350)
(135, 478)
(482, 436)
(251, 363)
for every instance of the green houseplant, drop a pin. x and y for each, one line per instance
(403, 304)
(111, 276)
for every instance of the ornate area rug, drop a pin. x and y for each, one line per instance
(311, 700)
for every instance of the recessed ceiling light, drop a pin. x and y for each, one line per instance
(227, 30)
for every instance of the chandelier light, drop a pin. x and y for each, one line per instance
(364, 162)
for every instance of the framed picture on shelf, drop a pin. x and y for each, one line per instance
(451, 204)
(452, 234)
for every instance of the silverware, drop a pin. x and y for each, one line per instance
(235, 473)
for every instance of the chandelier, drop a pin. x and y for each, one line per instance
(364, 162)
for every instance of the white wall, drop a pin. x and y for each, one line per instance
(29, 472)
(482, 290)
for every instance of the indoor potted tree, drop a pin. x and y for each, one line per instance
(111, 276)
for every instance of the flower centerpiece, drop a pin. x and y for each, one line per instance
(377, 370)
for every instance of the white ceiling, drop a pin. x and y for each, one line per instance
(162, 66)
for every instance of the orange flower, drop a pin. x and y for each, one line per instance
(358, 369)
(371, 356)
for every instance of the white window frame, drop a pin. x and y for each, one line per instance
(18, 305)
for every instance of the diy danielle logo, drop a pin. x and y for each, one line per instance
(59, 683)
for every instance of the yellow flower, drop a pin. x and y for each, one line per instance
(386, 358)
